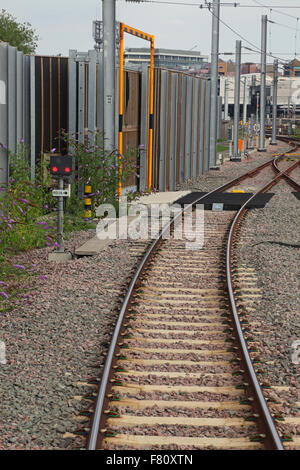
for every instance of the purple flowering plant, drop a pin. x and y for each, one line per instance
(22, 204)
(98, 168)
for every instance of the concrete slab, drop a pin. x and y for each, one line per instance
(92, 247)
(60, 257)
(95, 245)
(167, 197)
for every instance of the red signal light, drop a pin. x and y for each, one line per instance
(54, 169)
(67, 170)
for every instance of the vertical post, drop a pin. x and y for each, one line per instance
(19, 96)
(3, 114)
(32, 117)
(72, 92)
(144, 128)
(109, 20)
(274, 114)
(26, 96)
(214, 82)
(121, 87)
(150, 145)
(92, 94)
(202, 126)
(81, 99)
(173, 131)
(163, 129)
(100, 92)
(183, 128)
(188, 127)
(12, 99)
(219, 118)
(237, 100)
(245, 102)
(60, 218)
(196, 124)
(207, 126)
(264, 19)
(226, 92)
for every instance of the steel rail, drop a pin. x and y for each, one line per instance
(273, 440)
(285, 174)
(107, 373)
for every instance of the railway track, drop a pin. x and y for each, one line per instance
(181, 371)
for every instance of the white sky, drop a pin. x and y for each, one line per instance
(67, 24)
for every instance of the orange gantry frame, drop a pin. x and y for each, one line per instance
(148, 37)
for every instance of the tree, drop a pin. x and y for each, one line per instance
(21, 35)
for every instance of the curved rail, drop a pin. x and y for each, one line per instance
(110, 360)
(273, 440)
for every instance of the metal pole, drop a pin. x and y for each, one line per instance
(237, 99)
(264, 20)
(151, 106)
(4, 115)
(109, 71)
(60, 218)
(245, 102)
(214, 82)
(219, 118)
(226, 118)
(121, 85)
(274, 114)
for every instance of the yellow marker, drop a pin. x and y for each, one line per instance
(148, 37)
(237, 191)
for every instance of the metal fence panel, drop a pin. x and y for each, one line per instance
(183, 128)
(163, 129)
(32, 117)
(196, 121)
(143, 128)
(188, 128)
(19, 89)
(81, 100)
(173, 129)
(100, 92)
(26, 101)
(3, 114)
(92, 92)
(72, 92)
(12, 98)
(202, 127)
(207, 127)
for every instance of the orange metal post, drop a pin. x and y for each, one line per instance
(135, 32)
(151, 114)
(121, 80)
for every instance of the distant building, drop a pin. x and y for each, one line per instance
(168, 58)
(249, 67)
(292, 69)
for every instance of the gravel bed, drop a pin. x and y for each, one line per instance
(177, 411)
(272, 248)
(188, 431)
(53, 336)
(230, 170)
(63, 326)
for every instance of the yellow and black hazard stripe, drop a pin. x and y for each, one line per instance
(88, 201)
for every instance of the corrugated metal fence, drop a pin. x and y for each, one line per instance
(41, 95)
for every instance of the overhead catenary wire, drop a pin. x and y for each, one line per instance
(208, 4)
(236, 5)
(274, 9)
(258, 49)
